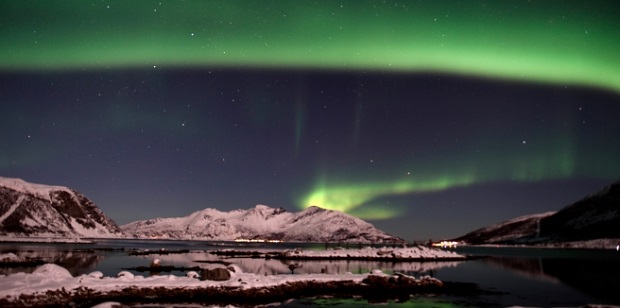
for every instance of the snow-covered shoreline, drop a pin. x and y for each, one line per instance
(44, 239)
(51, 284)
(417, 253)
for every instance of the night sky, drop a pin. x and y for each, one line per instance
(427, 118)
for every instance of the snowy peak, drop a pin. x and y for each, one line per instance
(263, 212)
(335, 226)
(37, 190)
(28, 209)
(262, 222)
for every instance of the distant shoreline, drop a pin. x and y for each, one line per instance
(53, 240)
(413, 254)
(598, 244)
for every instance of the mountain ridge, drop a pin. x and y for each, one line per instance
(47, 211)
(594, 217)
(314, 224)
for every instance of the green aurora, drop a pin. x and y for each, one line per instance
(551, 42)
(567, 42)
(547, 162)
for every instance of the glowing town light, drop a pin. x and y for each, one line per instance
(445, 244)
(245, 240)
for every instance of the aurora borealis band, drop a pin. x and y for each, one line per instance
(573, 42)
(428, 118)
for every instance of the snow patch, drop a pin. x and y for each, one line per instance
(12, 208)
(53, 271)
(9, 257)
(38, 190)
(108, 305)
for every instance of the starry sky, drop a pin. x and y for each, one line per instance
(427, 118)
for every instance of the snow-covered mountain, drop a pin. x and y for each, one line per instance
(314, 224)
(594, 217)
(28, 209)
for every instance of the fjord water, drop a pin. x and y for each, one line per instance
(541, 276)
(505, 276)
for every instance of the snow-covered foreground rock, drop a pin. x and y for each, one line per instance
(51, 284)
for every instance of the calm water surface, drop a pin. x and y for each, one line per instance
(507, 276)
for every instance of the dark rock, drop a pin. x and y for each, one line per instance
(216, 274)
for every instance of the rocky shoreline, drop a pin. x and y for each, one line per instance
(374, 288)
(52, 285)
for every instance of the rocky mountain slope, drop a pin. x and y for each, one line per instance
(28, 209)
(262, 222)
(520, 229)
(595, 217)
